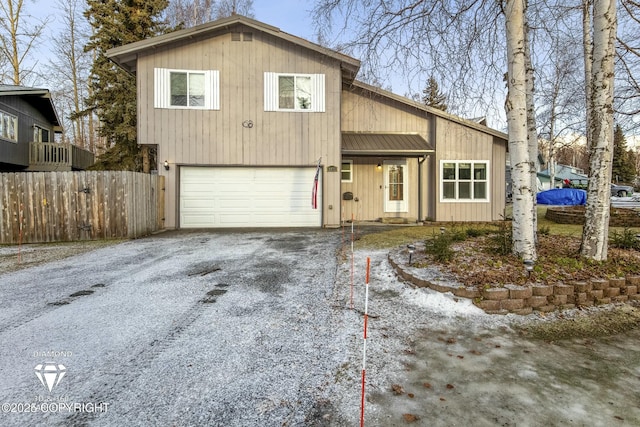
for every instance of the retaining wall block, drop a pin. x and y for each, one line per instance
(557, 299)
(631, 290)
(620, 298)
(511, 304)
(603, 301)
(581, 298)
(596, 294)
(599, 284)
(495, 293)
(489, 305)
(611, 292)
(562, 289)
(467, 292)
(635, 297)
(546, 308)
(539, 290)
(581, 287)
(633, 280)
(537, 301)
(519, 292)
(618, 282)
(440, 288)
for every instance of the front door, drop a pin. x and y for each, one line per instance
(395, 184)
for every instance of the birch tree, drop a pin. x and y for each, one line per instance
(516, 109)
(600, 130)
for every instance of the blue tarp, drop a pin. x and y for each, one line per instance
(562, 196)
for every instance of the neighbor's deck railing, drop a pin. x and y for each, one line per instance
(54, 156)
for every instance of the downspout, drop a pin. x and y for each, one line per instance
(420, 162)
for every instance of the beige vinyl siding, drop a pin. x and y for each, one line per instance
(457, 142)
(216, 138)
(365, 112)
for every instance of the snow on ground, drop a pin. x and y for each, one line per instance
(258, 329)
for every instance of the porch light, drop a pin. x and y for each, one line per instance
(528, 266)
(411, 248)
(379, 167)
(166, 165)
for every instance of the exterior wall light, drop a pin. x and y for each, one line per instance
(379, 166)
(166, 165)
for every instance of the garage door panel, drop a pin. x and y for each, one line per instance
(247, 197)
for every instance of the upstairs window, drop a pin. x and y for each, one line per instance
(179, 89)
(8, 126)
(464, 180)
(294, 92)
(187, 89)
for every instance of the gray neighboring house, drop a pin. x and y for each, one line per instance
(576, 176)
(28, 123)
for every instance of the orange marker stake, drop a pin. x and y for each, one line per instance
(364, 345)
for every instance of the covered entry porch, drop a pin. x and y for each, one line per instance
(386, 177)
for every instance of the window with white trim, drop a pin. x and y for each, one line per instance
(190, 89)
(346, 171)
(8, 126)
(294, 92)
(464, 180)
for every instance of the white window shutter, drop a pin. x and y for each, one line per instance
(161, 88)
(270, 91)
(318, 93)
(212, 89)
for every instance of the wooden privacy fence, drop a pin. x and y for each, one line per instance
(68, 206)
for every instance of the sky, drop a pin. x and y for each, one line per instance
(294, 17)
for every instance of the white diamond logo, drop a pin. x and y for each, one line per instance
(50, 374)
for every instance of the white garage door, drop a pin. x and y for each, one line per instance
(248, 197)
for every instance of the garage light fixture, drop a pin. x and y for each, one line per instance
(379, 166)
(166, 165)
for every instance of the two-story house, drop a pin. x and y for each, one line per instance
(28, 122)
(242, 113)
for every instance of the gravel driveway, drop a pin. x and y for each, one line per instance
(218, 329)
(256, 329)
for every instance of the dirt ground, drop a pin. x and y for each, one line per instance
(14, 257)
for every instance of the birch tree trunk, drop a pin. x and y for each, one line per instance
(532, 129)
(596, 229)
(587, 45)
(516, 109)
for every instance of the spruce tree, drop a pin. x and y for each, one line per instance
(432, 97)
(623, 166)
(113, 90)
